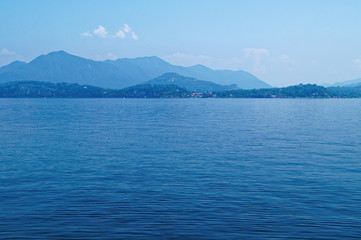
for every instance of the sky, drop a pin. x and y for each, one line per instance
(281, 42)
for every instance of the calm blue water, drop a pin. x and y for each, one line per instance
(180, 169)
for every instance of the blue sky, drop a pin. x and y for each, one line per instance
(281, 42)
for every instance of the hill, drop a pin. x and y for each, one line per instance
(191, 84)
(64, 67)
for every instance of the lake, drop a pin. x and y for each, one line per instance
(180, 168)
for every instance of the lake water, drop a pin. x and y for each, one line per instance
(180, 168)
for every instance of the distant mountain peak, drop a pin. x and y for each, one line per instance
(17, 63)
(151, 59)
(199, 66)
(58, 56)
(56, 53)
(60, 53)
(146, 59)
(172, 74)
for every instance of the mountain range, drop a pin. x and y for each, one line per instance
(124, 72)
(348, 83)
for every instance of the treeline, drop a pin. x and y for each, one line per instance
(33, 89)
(297, 91)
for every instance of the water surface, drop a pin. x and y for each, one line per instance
(180, 168)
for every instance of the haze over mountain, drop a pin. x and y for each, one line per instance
(348, 83)
(191, 84)
(63, 67)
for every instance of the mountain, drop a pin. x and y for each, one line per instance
(349, 83)
(64, 67)
(191, 84)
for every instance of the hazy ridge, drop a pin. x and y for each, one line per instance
(63, 67)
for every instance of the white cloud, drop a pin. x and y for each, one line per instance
(255, 60)
(183, 59)
(284, 59)
(257, 53)
(126, 28)
(258, 56)
(124, 31)
(101, 32)
(111, 56)
(120, 34)
(97, 58)
(358, 62)
(7, 56)
(108, 56)
(261, 62)
(134, 36)
(6, 52)
(187, 59)
(87, 34)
